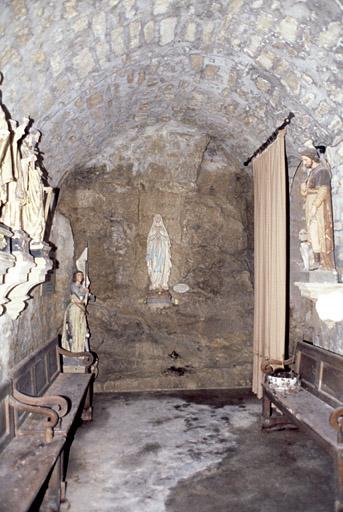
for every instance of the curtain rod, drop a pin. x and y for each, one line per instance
(271, 138)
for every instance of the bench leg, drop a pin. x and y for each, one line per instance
(271, 423)
(87, 413)
(52, 498)
(339, 482)
(266, 409)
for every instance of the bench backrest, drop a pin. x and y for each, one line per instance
(6, 415)
(321, 372)
(35, 373)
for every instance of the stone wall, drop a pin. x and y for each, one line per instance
(205, 201)
(42, 318)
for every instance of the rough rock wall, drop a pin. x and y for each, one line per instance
(42, 318)
(205, 201)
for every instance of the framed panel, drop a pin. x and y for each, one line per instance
(308, 370)
(332, 382)
(40, 377)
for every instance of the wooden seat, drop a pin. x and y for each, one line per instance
(40, 409)
(316, 408)
(30, 470)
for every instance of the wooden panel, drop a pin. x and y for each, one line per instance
(41, 381)
(332, 382)
(25, 383)
(53, 369)
(308, 369)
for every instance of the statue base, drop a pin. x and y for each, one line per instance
(159, 299)
(316, 276)
(72, 366)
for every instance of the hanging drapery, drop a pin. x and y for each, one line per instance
(270, 257)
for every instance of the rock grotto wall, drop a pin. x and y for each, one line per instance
(43, 316)
(205, 201)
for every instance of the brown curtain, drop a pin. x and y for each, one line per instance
(270, 257)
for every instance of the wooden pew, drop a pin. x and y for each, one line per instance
(40, 409)
(317, 407)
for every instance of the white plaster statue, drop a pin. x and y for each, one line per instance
(306, 250)
(33, 215)
(75, 331)
(158, 255)
(11, 213)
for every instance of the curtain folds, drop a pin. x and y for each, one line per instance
(269, 257)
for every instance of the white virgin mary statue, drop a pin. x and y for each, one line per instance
(158, 255)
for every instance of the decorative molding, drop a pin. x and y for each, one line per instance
(37, 271)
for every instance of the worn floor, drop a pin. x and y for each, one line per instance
(193, 452)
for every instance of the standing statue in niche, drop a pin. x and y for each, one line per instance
(75, 333)
(33, 214)
(318, 211)
(11, 213)
(158, 255)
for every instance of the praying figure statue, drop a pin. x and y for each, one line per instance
(318, 211)
(75, 333)
(158, 255)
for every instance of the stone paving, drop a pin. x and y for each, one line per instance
(192, 452)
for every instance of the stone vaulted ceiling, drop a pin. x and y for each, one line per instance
(87, 71)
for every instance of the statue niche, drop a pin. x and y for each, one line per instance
(316, 242)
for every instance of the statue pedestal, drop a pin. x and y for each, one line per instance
(316, 276)
(159, 299)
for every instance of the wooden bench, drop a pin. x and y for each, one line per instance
(317, 407)
(40, 409)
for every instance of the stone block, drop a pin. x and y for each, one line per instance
(149, 31)
(117, 38)
(161, 6)
(190, 33)
(134, 30)
(83, 62)
(211, 71)
(167, 30)
(288, 29)
(197, 62)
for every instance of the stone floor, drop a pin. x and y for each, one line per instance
(193, 452)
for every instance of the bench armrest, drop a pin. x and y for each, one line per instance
(336, 422)
(267, 364)
(86, 358)
(51, 415)
(46, 401)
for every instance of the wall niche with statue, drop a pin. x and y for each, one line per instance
(316, 248)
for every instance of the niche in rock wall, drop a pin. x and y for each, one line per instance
(205, 202)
